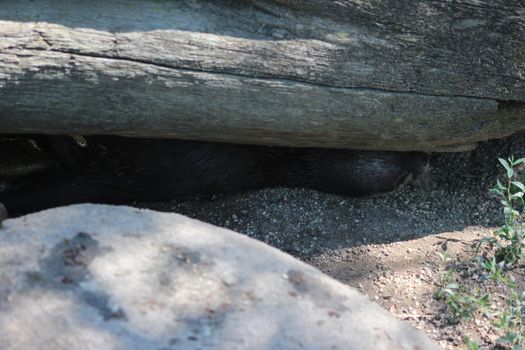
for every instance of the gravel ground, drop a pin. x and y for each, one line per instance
(385, 246)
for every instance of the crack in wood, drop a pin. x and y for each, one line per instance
(259, 77)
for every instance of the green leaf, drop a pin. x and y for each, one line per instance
(507, 338)
(497, 191)
(519, 161)
(504, 163)
(507, 165)
(499, 185)
(519, 185)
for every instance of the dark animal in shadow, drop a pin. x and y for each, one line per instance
(119, 170)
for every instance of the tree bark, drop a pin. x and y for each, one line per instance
(383, 75)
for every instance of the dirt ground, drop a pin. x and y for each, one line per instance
(387, 247)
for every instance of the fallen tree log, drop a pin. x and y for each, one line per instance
(396, 75)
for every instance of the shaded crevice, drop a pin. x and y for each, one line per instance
(510, 105)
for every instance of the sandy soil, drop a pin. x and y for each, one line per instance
(387, 247)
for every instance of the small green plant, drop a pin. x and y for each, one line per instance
(471, 344)
(511, 320)
(506, 249)
(493, 269)
(508, 239)
(463, 303)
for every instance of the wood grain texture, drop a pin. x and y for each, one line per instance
(393, 75)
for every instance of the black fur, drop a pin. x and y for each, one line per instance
(118, 170)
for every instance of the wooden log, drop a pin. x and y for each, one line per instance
(395, 75)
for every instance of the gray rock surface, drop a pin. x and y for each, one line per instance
(103, 277)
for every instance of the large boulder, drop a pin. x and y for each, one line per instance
(102, 277)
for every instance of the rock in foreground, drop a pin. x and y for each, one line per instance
(103, 277)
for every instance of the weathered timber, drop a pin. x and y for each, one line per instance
(391, 75)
